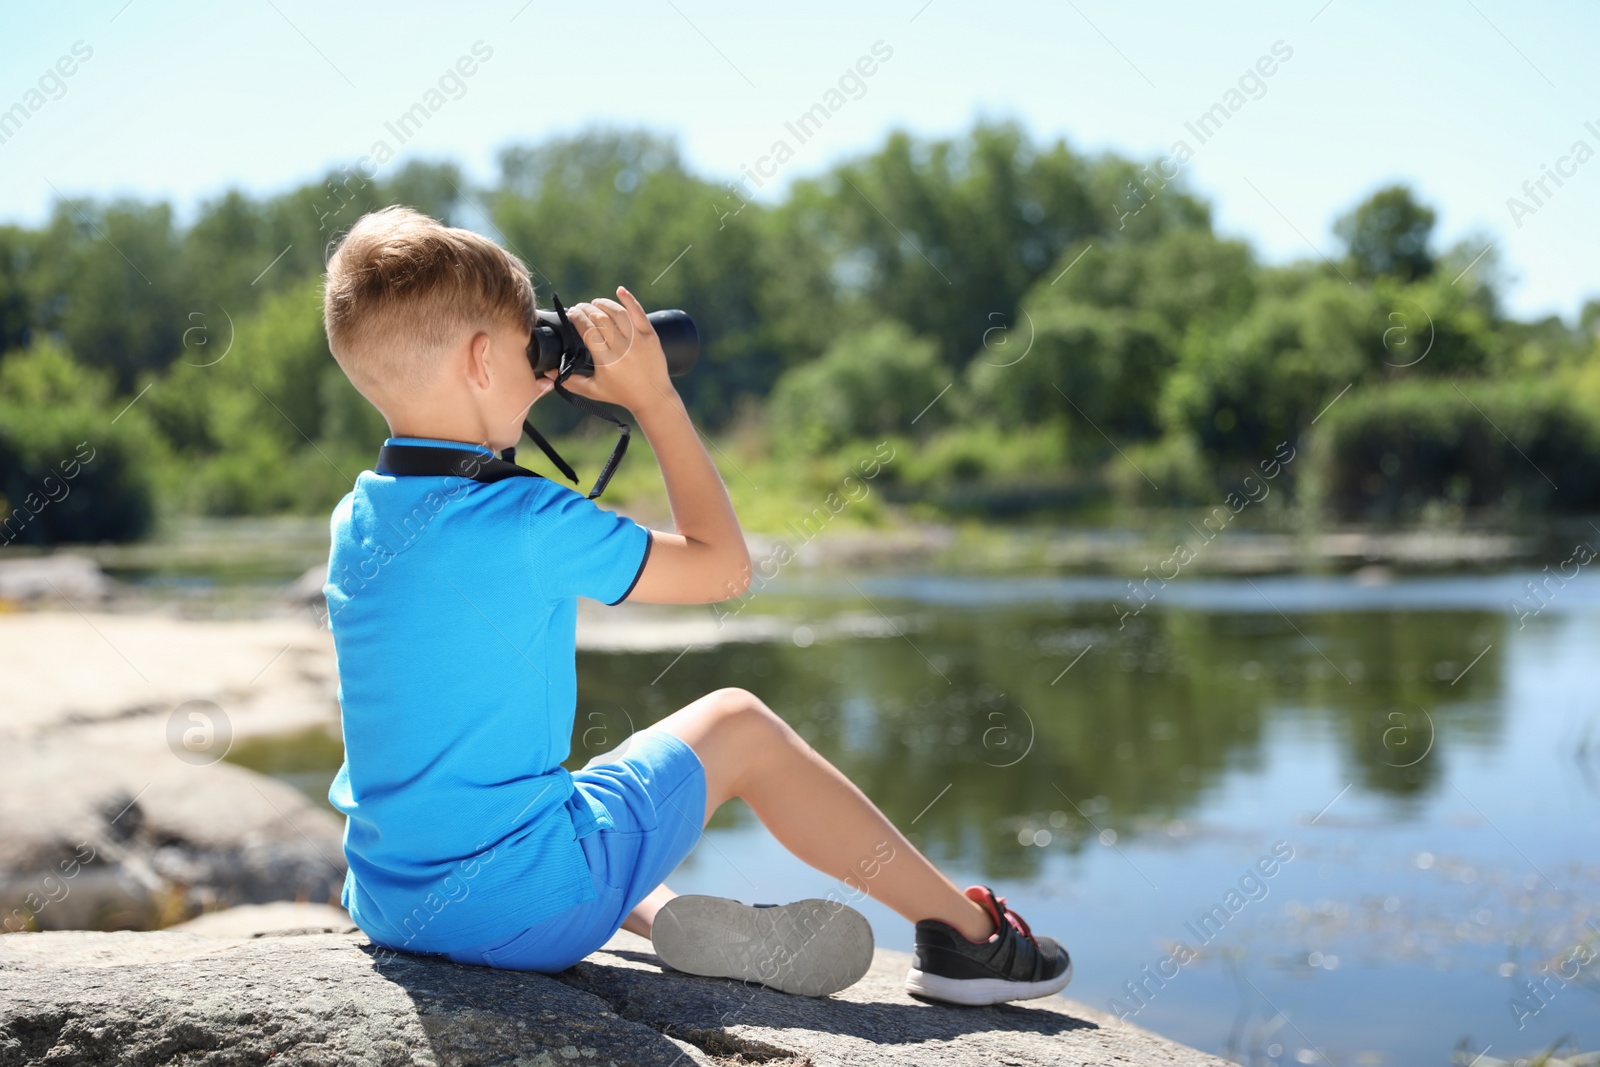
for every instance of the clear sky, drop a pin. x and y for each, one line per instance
(1464, 99)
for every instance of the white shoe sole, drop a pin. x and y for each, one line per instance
(811, 947)
(981, 991)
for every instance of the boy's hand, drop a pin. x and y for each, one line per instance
(629, 367)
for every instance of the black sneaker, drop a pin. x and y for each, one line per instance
(811, 947)
(1013, 964)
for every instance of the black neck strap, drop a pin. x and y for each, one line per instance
(448, 463)
(562, 465)
(468, 463)
(582, 403)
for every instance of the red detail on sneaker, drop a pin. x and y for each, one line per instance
(999, 913)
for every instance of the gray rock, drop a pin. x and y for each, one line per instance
(264, 920)
(100, 838)
(137, 999)
(307, 589)
(75, 578)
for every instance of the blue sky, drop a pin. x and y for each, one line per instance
(1464, 99)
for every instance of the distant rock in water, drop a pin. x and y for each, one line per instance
(53, 577)
(103, 838)
(76, 999)
(307, 589)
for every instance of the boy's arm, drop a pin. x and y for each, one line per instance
(706, 560)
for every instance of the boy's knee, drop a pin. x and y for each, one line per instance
(742, 709)
(731, 700)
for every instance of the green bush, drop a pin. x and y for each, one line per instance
(867, 384)
(989, 469)
(1389, 452)
(1168, 471)
(1099, 333)
(984, 452)
(72, 468)
(1241, 390)
(1086, 363)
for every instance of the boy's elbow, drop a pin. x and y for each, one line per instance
(739, 582)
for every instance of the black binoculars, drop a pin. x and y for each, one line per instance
(555, 344)
(556, 349)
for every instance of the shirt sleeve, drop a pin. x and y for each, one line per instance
(581, 549)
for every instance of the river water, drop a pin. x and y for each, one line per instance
(1283, 819)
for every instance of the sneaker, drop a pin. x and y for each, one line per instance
(811, 947)
(1013, 964)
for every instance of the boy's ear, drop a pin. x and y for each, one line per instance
(478, 359)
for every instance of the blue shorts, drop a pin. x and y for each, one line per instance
(655, 789)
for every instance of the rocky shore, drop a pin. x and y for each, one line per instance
(304, 996)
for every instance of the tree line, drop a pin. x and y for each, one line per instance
(1036, 328)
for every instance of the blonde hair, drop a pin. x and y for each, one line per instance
(401, 288)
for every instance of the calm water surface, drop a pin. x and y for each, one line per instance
(1417, 767)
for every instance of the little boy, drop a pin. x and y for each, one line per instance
(452, 596)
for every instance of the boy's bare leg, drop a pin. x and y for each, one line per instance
(812, 809)
(643, 916)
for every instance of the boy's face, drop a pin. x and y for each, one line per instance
(513, 385)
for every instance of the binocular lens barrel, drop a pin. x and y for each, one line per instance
(553, 338)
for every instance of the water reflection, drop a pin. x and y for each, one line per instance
(1428, 756)
(1054, 717)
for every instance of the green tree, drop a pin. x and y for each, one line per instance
(869, 383)
(1091, 329)
(1241, 389)
(1387, 235)
(944, 235)
(71, 468)
(240, 250)
(108, 281)
(1097, 339)
(1432, 328)
(272, 424)
(18, 312)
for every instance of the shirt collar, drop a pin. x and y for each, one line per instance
(438, 442)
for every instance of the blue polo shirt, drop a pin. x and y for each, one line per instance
(453, 607)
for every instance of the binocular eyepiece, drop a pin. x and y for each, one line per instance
(555, 345)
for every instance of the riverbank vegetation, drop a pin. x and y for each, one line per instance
(1029, 329)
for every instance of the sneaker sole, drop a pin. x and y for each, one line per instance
(980, 991)
(810, 948)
